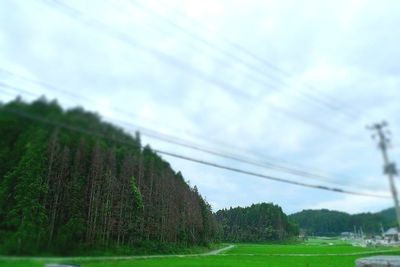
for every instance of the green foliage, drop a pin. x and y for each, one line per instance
(331, 223)
(92, 188)
(136, 195)
(257, 223)
(23, 187)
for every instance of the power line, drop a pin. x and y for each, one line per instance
(185, 143)
(266, 63)
(170, 60)
(273, 178)
(268, 177)
(154, 134)
(239, 158)
(307, 97)
(42, 84)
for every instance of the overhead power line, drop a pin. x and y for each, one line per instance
(187, 144)
(310, 98)
(182, 65)
(268, 177)
(259, 175)
(239, 158)
(81, 97)
(325, 98)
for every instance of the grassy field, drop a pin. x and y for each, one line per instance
(299, 249)
(313, 253)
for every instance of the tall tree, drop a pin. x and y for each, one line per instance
(89, 184)
(23, 190)
(257, 223)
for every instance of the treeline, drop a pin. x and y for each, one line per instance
(331, 223)
(258, 223)
(62, 187)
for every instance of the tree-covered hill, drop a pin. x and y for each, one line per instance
(257, 223)
(388, 216)
(329, 223)
(69, 180)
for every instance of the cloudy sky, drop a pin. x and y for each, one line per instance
(291, 83)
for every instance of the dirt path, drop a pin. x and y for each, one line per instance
(217, 251)
(59, 259)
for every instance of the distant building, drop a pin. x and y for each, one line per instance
(392, 234)
(347, 234)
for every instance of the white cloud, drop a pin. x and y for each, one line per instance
(352, 204)
(346, 50)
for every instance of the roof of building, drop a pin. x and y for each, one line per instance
(392, 231)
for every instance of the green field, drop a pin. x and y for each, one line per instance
(313, 253)
(299, 249)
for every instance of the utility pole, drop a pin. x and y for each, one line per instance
(389, 168)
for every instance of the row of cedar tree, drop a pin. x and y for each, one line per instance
(67, 180)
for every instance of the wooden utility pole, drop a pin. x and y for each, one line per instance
(389, 168)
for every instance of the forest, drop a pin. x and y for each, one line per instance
(71, 182)
(257, 223)
(62, 187)
(331, 223)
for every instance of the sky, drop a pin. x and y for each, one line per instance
(291, 83)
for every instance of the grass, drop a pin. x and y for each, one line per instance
(300, 249)
(239, 261)
(147, 249)
(316, 254)
(143, 248)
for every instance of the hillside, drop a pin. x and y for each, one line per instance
(257, 223)
(329, 222)
(69, 180)
(388, 215)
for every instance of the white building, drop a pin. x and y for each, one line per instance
(392, 234)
